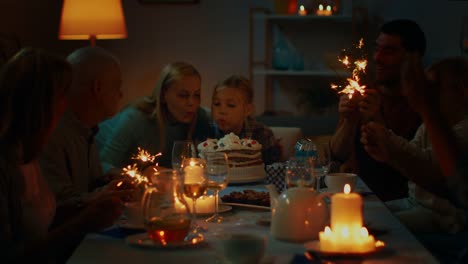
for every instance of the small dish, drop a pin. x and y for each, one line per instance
(314, 246)
(142, 240)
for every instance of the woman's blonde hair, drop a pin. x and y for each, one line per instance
(154, 105)
(30, 85)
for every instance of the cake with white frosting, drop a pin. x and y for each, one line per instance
(244, 156)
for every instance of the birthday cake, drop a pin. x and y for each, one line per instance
(244, 156)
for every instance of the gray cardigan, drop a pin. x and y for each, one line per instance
(120, 137)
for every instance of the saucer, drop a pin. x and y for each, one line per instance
(142, 240)
(314, 246)
(221, 209)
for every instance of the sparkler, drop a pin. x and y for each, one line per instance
(145, 156)
(358, 67)
(135, 172)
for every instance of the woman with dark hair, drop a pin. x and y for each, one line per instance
(32, 98)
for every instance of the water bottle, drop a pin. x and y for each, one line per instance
(305, 148)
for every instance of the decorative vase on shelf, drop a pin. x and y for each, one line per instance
(281, 56)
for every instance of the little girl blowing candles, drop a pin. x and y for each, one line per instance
(232, 107)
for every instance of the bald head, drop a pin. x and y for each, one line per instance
(90, 63)
(97, 79)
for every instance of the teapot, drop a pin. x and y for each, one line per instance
(298, 214)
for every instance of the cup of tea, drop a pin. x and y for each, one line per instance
(245, 248)
(336, 181)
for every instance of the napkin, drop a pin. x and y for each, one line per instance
(276, 175)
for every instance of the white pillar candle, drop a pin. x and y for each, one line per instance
(205, 204)
(346, 211)
(346, 235)
(193, 174)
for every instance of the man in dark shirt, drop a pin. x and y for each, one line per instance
(383, 103)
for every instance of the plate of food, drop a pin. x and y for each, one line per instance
(248, 198)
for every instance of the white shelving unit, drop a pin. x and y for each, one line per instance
(311, 35)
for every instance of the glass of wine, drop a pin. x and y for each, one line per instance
(182, 149)
(217, 172)
(195, 185)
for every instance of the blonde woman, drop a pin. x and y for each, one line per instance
(172, 112)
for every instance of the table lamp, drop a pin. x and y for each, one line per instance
(92, 19)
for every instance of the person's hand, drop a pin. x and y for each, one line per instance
(348, 108)
(100, 213)
(374, 137)
(123, 189)
(114, 174)
(369, 106)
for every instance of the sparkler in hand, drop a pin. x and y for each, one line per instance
(144, 159)
(358, 67)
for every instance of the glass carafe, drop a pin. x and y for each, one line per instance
(165, 212)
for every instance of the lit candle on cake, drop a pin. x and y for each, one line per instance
(347, 235)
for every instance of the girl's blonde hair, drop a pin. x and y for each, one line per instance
(238, 82)
(154, 105)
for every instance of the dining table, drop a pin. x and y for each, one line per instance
(111, 245)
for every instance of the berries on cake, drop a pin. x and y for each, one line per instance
(244, 156)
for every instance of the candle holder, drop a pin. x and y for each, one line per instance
(347, 235)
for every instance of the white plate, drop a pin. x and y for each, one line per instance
(249, 206)
(223, 208)
(142, 240)
(315, 247)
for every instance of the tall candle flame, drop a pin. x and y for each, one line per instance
(347, 189)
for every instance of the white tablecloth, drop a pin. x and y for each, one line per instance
(402, 247)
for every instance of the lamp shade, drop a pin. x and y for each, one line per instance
(88, 19)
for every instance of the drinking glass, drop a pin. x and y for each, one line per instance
(182, 149)
(321, 165)
(299, 172)
(217, 172)
(195, 185)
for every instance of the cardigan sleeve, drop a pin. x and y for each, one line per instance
(121, 139)
(411, 157)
